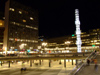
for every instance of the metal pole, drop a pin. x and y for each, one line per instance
(76, 61)
(30, 63)
(40, 62)
(65, 63)
(1, 63)
(49, 63)
(9, 64)
(72, 61)
(33, 61)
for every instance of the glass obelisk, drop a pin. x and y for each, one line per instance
(78, 31)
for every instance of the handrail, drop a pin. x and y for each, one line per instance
(80, 65)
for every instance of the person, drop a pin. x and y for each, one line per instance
(23, 69)
(92, 60)
(96, 67)
(88, 62)
(95, 61)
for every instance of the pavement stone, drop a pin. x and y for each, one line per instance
(90, 70)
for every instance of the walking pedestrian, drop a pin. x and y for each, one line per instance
(88, 62)
(96, 67)
(95, 61)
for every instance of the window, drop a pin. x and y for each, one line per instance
(20, 12)
(31, 18)
(12, 9)
(0, 24)
(24, 20)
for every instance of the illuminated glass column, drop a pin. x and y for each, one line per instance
(78, 32)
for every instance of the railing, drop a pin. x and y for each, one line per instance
(82, 64)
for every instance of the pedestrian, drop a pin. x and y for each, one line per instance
(92, 60)
(95, 61)
(96, 67)
(88, 62)
(21, 70)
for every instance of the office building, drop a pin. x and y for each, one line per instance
(1, 31)
(21, 27)
(90, 42)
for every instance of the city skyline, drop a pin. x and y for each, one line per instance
(56, 18)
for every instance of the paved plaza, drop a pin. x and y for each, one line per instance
(89, 70)
(43, 69)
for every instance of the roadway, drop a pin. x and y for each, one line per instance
(89, 70)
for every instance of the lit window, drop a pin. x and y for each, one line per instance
(11, 9)
(3, 17)
(1, 43)
(0, 24)
(14, 23)
(15, 39)
(24, 20)
(31, 18)
(20, 12)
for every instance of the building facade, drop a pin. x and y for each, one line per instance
(21, 27)
(1, 31)
(90, 42)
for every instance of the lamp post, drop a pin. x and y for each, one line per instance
(67, 42)
(44, 44)
(22, 46)
(5, 51)
(39, 48)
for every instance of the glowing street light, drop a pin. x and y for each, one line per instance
(5, 50)
(22, 46)
(44, 44)
(67, 42)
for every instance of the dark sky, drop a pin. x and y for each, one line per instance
(57, 17)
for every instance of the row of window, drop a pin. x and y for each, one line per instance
(26, 40)
(27, 26)
(20, 12)
(83, 42)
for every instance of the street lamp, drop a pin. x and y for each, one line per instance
(44, 44)
(67, 42)
(39, 48)
(5, 50)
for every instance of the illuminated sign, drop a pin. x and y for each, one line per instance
(41, 39)
(28, 50)
(93, 45)
(73, 35)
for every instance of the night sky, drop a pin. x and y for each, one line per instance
(57, 17)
